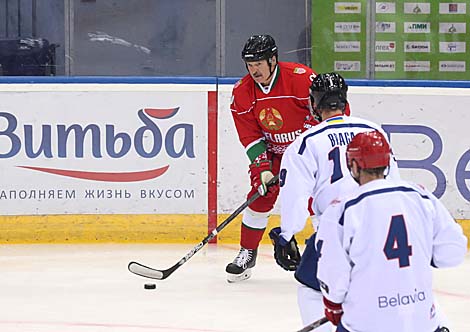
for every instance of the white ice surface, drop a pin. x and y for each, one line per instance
(87, 288)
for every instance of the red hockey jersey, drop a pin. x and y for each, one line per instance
(276, 115)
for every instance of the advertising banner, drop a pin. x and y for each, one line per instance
(395, 40)
(103, 149)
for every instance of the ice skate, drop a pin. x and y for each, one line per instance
(240, 268)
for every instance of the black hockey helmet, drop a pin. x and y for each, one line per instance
(329, 91)
(259, 47)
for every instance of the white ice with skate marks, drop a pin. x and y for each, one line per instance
(87, 288)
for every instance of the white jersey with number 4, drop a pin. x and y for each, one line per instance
(376, 249)
(314, 165)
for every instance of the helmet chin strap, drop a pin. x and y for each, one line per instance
(271, 71)
(316, 115)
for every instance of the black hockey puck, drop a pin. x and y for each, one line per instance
(150, 286)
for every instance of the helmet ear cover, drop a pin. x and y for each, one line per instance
(369, 150)
(329, 100)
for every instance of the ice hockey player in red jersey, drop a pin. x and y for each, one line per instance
(270, 108)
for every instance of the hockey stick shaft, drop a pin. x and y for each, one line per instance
(152, 273)
(314, 325)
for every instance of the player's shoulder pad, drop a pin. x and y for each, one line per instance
(307, 139)
(295, 69)
(300, 140)
(419, 188)
(243, 83)
(371, 124)
(312, 130)
(243, 97)
(355, 119)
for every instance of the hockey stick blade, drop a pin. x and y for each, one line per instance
(146, 271)
(314, 325)
(151, 273)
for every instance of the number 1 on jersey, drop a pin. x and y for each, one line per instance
(337, 172)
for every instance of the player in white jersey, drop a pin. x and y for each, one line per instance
(378, 245)
(314, 165)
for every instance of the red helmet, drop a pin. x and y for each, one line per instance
(369, 150)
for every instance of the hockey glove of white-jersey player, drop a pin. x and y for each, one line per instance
(286, 253)
(260, 174)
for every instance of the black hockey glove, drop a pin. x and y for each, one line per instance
(286, 253)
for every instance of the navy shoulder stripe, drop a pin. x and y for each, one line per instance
(303, 146)
(359, 198)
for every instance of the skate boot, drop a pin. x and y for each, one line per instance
(240, 268)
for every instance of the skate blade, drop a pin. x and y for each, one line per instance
(231, 278)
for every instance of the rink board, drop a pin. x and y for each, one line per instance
(121, 229)
(189, 180)
(189, 229)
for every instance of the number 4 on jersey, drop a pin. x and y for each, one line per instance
(396, 245)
